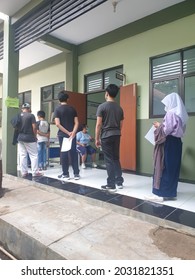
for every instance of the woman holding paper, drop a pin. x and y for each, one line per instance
(168, 149)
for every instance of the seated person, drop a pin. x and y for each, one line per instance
(83, 146)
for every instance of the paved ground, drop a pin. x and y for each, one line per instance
(41, 222)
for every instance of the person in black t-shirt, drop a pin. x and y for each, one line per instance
(107, 135)
(27, 142)
(66, 120)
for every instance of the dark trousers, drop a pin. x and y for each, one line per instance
(110, 148)
(69, 158)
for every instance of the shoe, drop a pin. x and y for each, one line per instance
(76, 176)
(94, 165)
(83, 165)
(119, 186)
(154, 198)
(169, 198)
(108, 188)
(25, 175)
(37, 174)
(62, 176)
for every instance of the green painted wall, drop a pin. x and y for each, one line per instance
(134, 53)
(145, 150)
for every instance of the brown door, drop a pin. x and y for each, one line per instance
(79, 102)
(128, 137)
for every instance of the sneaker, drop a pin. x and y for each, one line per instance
(76, 176)
(62, 176)
(119, 186)
(94, 165)
(37, 174)
(169, 198)
(108, 188)
(154, 198)
(25, 175)
(83, 165)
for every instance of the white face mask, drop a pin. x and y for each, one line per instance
(166, 109)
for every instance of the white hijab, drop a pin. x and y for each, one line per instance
(173, 103)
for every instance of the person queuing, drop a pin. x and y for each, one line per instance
(66, 120)
(107, 135)
(168, 149)
(27, 142)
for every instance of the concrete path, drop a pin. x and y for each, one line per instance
(39, 222)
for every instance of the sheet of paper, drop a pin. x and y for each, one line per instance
(66, 144)
(150, 135)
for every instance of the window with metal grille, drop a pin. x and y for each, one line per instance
(98, 81)
(173, 72)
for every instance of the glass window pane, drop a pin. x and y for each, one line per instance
(94, 82)
(20, 96)
(47, 108)
(46, 93)
(189, 61)
(57, 88)
(114, 76)
(27, 97)
(166, 66)
(190, 94)
(160, 90)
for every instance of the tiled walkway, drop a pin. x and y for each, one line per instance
(131, 197)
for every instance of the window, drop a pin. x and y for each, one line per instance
(49, 99)
(100, 80)
(24, 97)
(174, 72)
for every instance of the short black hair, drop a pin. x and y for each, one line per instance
(41, 114)
(112, 90)
(83, 126)
(63, 96)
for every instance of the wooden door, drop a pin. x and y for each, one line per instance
(79, 102)
(128, 133)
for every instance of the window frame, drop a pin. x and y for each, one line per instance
(102, 73)
(52, 99)
(180, 77)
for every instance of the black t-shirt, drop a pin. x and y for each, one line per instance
(111, 114)
(66, 114)
(26, 133)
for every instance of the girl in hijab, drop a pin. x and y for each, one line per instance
(168, 149)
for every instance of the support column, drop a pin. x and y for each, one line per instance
(72, 70)
(10, 88)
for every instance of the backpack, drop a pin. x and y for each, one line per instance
(16, 121)
(43, 126)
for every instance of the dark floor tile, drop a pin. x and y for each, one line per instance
(182, 217)
(102, 195)
(126, 201)
(155, 209)
(83, 190)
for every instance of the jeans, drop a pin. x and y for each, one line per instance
(110, 148)
(42, 154)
